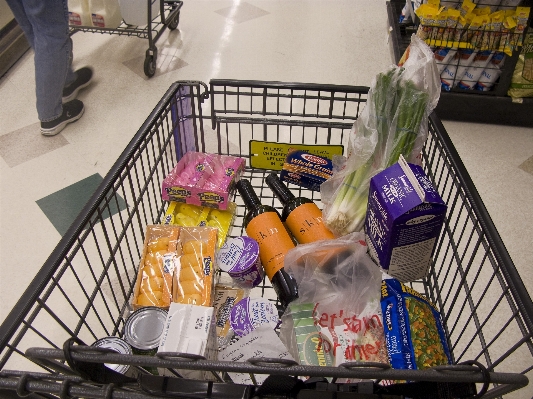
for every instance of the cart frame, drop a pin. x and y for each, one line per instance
(84, 288)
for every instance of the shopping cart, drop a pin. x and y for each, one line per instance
(169, 17)
(84, 288)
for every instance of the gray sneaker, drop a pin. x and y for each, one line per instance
(72, 111)
(83, 79)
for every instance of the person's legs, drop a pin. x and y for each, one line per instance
(45, 25)
(53, 47)
(20, 15)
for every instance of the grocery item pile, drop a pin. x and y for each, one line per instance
(471, 40)
(339, 275)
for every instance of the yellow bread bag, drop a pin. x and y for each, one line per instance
(154, 278)
(193, 278)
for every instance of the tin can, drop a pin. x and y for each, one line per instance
(120, 346)
(143, 330)
(239, 257)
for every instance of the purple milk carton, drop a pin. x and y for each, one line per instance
(404, 218)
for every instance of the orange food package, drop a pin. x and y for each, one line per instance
(194, 275)
(154, 279)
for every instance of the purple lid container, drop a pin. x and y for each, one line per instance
(250, 313)
(239, 257)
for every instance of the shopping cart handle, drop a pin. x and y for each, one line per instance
(179, 355)
(271, 361)
(353, 365)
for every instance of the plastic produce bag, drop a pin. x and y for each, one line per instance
(337, 317)
(393, 122)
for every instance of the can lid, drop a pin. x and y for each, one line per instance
(144, 327)
(118, 345)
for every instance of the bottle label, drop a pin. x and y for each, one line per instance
(305, 224)
(273, 239)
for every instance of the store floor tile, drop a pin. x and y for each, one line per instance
(28, 143)
(62, 207)
(527, 165)
(242, 12)
(167, 61)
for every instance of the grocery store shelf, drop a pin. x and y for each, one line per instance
(13, 45)
(460, 105)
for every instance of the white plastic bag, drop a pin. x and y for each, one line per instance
(337, 317)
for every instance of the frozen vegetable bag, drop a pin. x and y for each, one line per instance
(413, 328)
(393, 122)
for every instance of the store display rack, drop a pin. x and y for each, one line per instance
(493, 107)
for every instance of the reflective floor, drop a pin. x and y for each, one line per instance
(311, 41)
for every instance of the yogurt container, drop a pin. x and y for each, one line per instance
(250, 313)
(239, 257)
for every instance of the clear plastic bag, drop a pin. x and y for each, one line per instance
(337, 317)
(154, 278)
(393, 122)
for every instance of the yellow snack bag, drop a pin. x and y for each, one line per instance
(475, 30)
(495, 30)
(460, 29)
(522, 16)
(428, 21)
(481, 10)
(451, 25)
(442, 18)
(508, 25)
(467, 7)
(189, 215)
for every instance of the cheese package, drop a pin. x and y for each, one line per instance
(154, 278)
(193, 278)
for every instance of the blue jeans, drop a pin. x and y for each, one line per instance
(45, 25)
